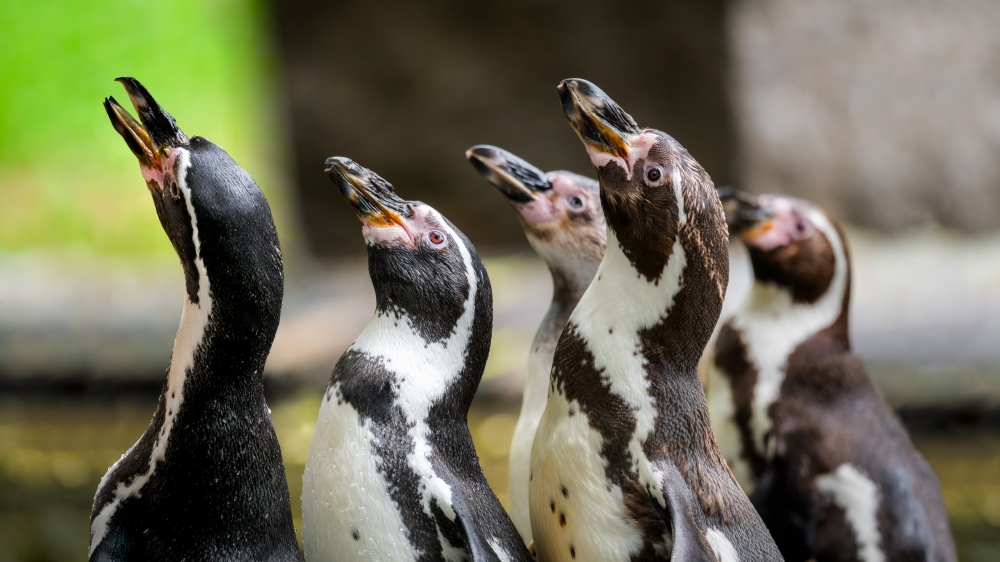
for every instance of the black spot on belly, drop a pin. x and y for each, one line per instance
(572, 551)
(562, 519)
(354, 533)
(552, 505)
(565, 492)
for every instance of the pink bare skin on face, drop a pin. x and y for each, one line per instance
(551, 208)
(789, 223)
(418, 223)
(638, 150)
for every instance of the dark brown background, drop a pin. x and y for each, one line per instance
(406, 89)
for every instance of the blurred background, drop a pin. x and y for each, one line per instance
(887, 113)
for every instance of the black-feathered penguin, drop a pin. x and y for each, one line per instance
(834, 474)
(624, 465)
(562, 219)
(392, 473)
(205, 481)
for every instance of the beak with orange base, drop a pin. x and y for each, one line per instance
(745, 216)
(154, 134)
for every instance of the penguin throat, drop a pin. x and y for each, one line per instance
(773, 325)
(427, 372)
(612, 316)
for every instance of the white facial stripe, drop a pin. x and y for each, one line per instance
(858, 497)
(194, 319)
(773, 325)
(675, 179)
(724, 550)
(425, 371)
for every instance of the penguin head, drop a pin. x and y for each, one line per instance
(652, 191)
(792, 243)
(560, 211)
(213, 212)
(420, 264)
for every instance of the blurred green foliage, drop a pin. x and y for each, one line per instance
(67, 181)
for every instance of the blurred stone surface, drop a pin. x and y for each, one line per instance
(925, 317)
(405, 88)
(887, 113)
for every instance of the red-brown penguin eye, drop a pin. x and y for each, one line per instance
(435, 237)
(654, 174)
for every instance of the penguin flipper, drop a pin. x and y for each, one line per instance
(690, 543)
(477, 545)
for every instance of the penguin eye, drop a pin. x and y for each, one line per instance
(175, 191)
(575, 202)
(654, 174)
(435, 237)
(800, 225)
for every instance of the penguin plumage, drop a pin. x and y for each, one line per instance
(206, 480)
(392, 472)
(562, 219)
(830, 469)
(624, 465)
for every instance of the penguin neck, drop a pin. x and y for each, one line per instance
(566, 293)
(774, 320)
(668, 320)
(448, 368)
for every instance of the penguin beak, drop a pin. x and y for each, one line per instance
(371, 196)
(154, 134)
(518, 180)
(744, 214)
(600, 123)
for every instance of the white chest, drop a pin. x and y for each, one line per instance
(772, 326)
(347, 511)
(576, 513)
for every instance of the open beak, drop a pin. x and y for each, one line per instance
(518, 180)
(155, 133)
(599, 122)
(744, 214)
(372, 197)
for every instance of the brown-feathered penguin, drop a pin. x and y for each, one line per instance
(832, 472)
(624, 465)
(562, 219)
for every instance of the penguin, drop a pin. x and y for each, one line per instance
(392, 473)
(832, 471)
(624, 465)
(562, 220)
(206, 479)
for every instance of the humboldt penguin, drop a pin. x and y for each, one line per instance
(562, 220)
(832, 471)
(206, 480)
(624, 465)
(392, 473)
